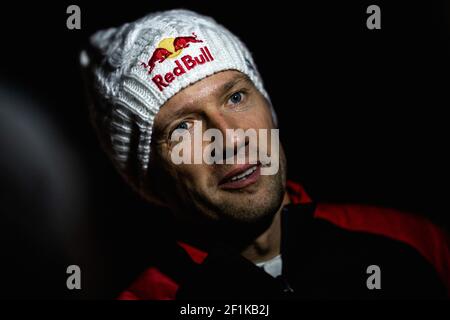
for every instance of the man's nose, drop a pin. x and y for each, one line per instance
(227, 124)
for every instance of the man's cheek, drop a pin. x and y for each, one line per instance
(189, 174)
(260, 120)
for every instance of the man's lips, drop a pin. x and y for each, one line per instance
(241, 176)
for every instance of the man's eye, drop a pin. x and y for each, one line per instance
(236, 97)
(183, 125)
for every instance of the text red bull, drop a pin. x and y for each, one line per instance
(182, 66)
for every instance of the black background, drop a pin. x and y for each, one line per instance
(362, 117)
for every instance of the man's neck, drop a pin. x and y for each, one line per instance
(268, 244)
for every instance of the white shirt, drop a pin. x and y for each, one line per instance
(272, 266)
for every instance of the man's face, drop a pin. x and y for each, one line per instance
(226, 100)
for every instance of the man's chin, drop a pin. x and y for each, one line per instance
(251, 206)
(237, 217)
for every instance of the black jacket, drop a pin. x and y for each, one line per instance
(320, 260)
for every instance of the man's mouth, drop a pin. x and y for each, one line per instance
(241, 177)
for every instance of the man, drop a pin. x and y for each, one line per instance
(245, 233)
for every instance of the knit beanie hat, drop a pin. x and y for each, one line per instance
(132, 70)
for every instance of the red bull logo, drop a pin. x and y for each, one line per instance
(171, 48)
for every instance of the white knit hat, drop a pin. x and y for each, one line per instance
(134, 69)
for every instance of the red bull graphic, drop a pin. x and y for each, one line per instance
(170, 48)
(159, 55)
(183, 42)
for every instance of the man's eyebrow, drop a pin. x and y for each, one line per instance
(179, 113)
(159, 128)
(232, 83)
